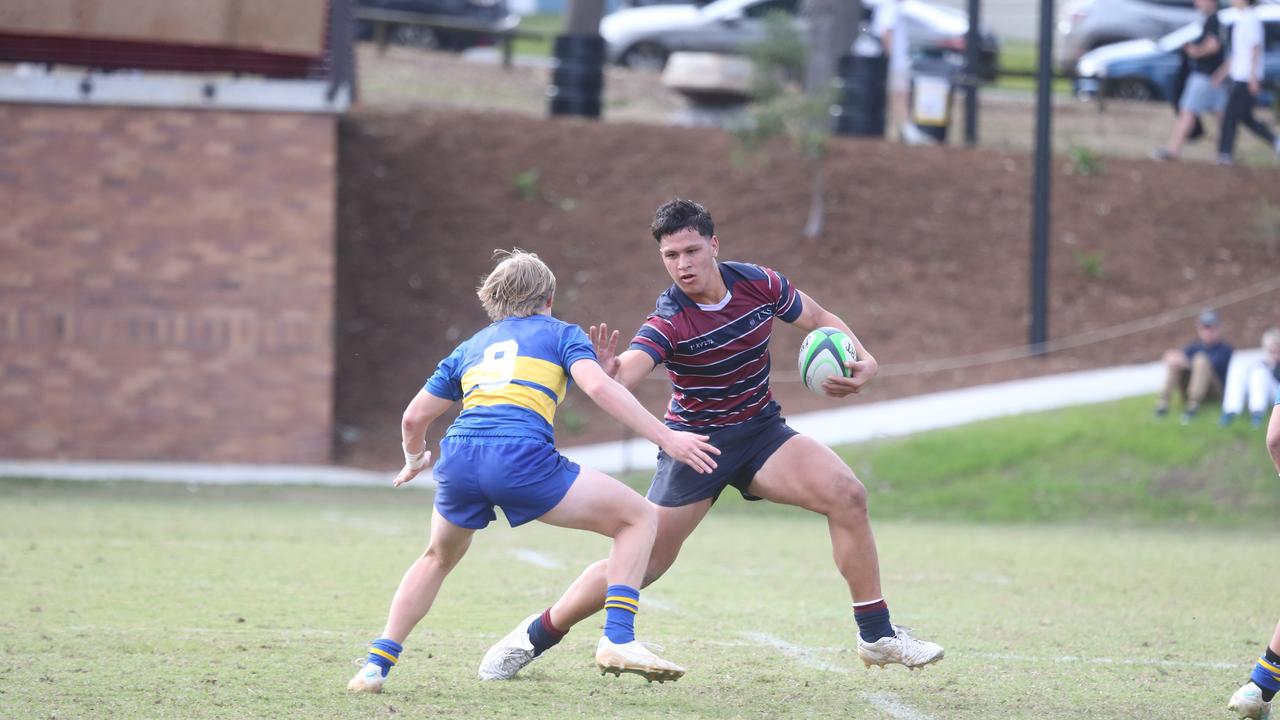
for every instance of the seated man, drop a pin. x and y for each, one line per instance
(1198, 371)
(1255, 382)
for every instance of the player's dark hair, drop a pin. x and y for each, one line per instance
(677, 215)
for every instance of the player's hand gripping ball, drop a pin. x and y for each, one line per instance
(824, 353)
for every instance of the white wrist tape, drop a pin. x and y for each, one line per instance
(415, 461)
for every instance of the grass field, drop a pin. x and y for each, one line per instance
(133, 600)
(1021, 56)
(548, 25)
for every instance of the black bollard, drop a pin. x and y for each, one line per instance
(862, 82)
(577, 83)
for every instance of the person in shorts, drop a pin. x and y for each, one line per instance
(500, 452)
(1253, 699)
(1201, 94)
(711, 329)
(890, 28)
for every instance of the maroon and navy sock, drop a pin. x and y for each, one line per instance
(872, 617)
(543, 634)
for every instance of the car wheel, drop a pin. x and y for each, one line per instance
(419, 36)
(645, 56)
(1131, 89)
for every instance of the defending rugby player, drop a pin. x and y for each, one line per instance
(711, 329)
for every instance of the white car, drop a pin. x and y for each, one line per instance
(643, 37)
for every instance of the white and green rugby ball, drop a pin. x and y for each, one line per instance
(823, 354)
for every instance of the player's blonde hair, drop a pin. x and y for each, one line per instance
(519, 286)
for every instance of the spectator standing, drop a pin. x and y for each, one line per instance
(1245, 70)
(1253, 384)
(1200, 94)
(1197, 372)
(891, 28)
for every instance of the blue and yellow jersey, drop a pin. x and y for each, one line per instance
(511, 376)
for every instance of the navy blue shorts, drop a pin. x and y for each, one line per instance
(523, 476)
(743, 451)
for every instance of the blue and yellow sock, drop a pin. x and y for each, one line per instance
(543, 635)
(1266, 674)
(621, 603)
(873, 619)
(385, 654)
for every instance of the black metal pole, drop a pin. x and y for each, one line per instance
(972, 61)
(1044, 151)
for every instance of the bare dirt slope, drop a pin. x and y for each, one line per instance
(926, 252)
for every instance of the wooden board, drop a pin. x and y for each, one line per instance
(294, 27)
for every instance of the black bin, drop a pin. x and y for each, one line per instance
(577, 83)
(861, 85)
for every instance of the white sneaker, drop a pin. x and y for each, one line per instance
(913, 135)
(369, 679)
(510, 654)
(634, 657)
(1247, 701)
(901, 649)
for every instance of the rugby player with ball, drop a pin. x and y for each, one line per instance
(711, 329)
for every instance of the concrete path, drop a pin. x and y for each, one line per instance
(855, 422)
(849, 423)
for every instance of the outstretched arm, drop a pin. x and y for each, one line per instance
(422, 411)
(613, 398)
(814, 316)
(629, 368)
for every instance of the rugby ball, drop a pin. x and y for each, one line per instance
(823, 354)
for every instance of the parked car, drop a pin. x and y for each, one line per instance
(643, 37)
(482, 13)
(1148, 69)
(1084, 25)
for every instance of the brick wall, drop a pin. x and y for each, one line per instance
(166, 284)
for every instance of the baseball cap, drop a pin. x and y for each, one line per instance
(1208, 318)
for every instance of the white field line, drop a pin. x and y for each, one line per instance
(337, 518)
(771, 641)
(533, 557)
(1038, 660)
(802, 655)
(885, 702)
(648, 601)
(892, 705)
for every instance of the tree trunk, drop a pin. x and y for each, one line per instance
(825, 19)
(817, 202)
(582, 17)
(833, 26)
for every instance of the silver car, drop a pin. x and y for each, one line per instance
(1084, 25)
(643, 37)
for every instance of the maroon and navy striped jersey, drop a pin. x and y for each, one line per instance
(718, 355)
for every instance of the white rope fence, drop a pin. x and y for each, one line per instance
(1071, 342)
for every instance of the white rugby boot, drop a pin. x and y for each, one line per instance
(634, 657)
(369, 679)
(1247, 702)
(901, 649)
(510, 654)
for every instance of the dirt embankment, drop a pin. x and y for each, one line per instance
(925, 253)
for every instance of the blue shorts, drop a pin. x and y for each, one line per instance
(523, 476)
(743, 450)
